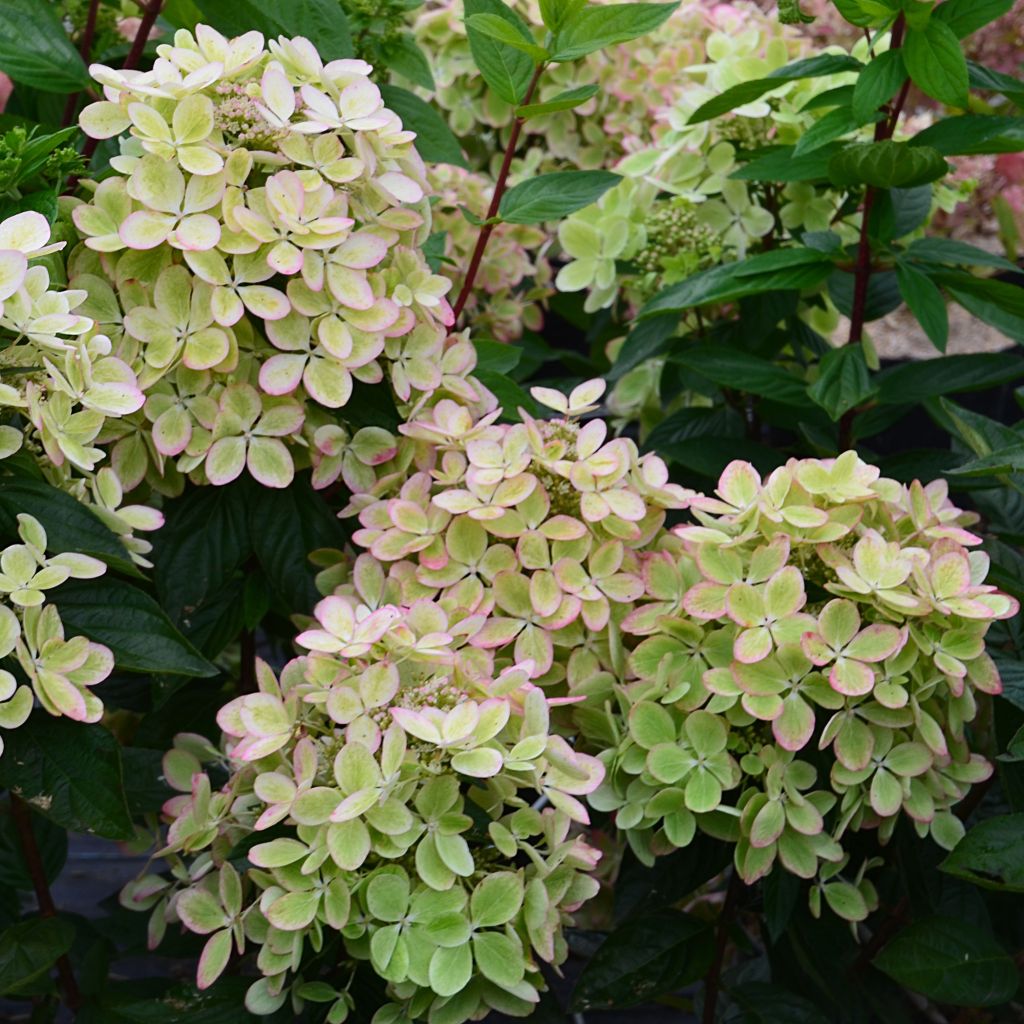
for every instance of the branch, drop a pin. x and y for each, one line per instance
(85, 49)
(492, 210)
(22, 817)
(712, 983)
(862, 274)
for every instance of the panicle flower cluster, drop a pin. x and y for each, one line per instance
(523, 641)
(823, 609)
(256, 255)
(61, 386)
(410, 795)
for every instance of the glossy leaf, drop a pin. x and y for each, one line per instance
(435, 141)
(70, 773)
(596, 27)
(553, 196)
(505, 69)
(989, 855)
(36, 51)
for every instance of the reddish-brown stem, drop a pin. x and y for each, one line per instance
(712, 983)
(247, 668)
(150, 13)
(85, 49)
(492, 211)
(863, 268)
(22, 818)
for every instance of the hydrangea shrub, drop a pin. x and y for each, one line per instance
(562, 677)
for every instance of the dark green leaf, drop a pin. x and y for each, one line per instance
(506, 70)
(898, 211)
(145, 789)
(796, 267)
(926, 302)
(36, 151)
(156, 1001)
(643, 958)
(30, 948)
(883, 293)
(553, 196)
(990, 854)
(951, 962)
(322, 22)
(285, 526)
(886, 164)
(840, 96)
(747, 92)
(783, 165)
(973, 134)
(991, 80)
(496, 27)
(936, 63)
(914, 382)
(404, 57)
(129, 622)
(647, 339)
(877, 84)
(998, 463)
(640, 889)
(732, 368)
(955, 253)
(69, 772)
(511, 397)
(843, 381)
(996, 302)
(596, 27)
(982, 435)
(496, 355)
(203, 543)
(768, 1004)
(835, 124)
(1011, 672)
(51, 841)
(435, 141)
(563, 101)
(35, 49)
(69, 525)
(967, 16)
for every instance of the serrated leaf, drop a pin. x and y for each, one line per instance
(70, 773)
(886, 164)
(506, 70)
(129, 622)
(496, 356)
(778, 270)
(877, 84)
(843, 381)
(69, 525)
(553, 196)
(596, 27)
(967, 16)
(973, 135)
(504, 31)
(926, 302)
(36, 51)
(286, 525)
(950, 961)
(989, 855)
(563, 101)
(747, 92)
(742, 371)
(936, 62)
(435, 141)
(643, 958)
(832, 126)
(30, 948)
(782, 164)
(927, 378)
